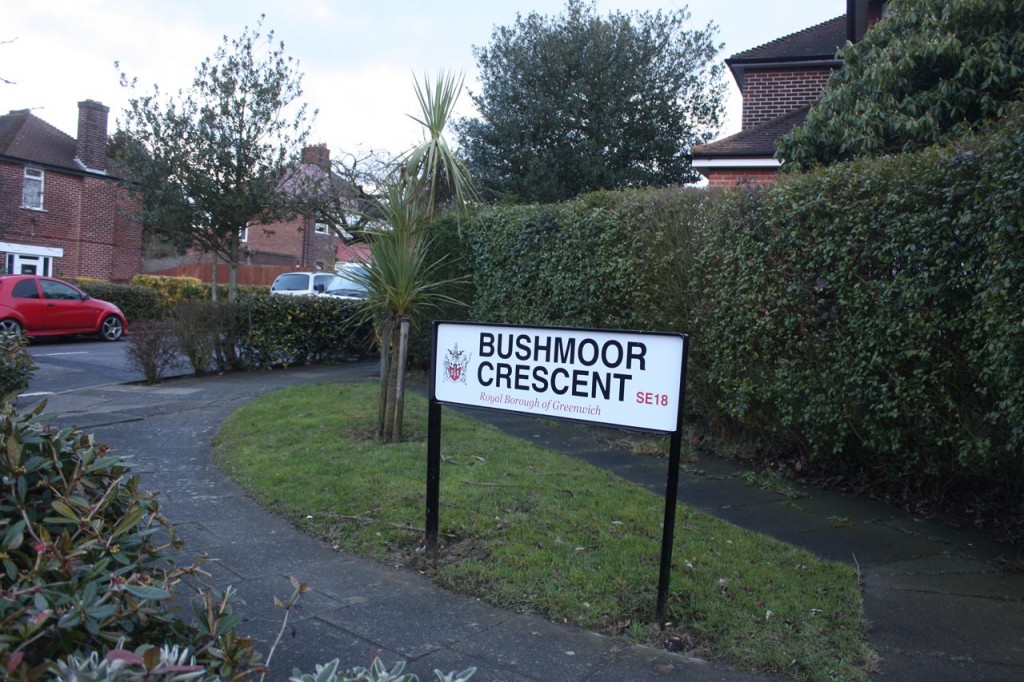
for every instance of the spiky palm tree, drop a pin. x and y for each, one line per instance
(400, 281)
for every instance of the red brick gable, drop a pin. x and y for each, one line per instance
(771, 94)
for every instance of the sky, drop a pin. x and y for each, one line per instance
(358, 58)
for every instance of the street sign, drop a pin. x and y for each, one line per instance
(624, 379)
(633, 380)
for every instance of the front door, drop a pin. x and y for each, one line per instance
(21, 264)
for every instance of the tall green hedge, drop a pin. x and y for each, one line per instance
(867, 320)
(609, 260)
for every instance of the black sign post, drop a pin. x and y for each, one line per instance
(586, 372)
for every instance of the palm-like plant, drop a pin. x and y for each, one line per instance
(400, 281)
(432, 165)
(401, 284)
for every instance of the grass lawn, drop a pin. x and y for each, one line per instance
(538, 532)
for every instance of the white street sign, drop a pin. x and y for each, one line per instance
(627, 379)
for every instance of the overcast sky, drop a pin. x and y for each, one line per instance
(357, 57)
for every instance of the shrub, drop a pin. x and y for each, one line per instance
(16, 371)
(212, 335)
(136, 302)
(173, 289)
(86, 560)
(198, 328)
(609, 260)
(152, 350)
(865, 320)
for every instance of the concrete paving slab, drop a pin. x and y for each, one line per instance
(951, 575)
(864, 545)
(956, 627)
(418, 622)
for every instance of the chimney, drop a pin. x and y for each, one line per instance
(91, 145)
(317, 155)
(861, 15)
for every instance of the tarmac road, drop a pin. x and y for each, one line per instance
(73, 364)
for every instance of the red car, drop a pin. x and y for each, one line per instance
(44, 306)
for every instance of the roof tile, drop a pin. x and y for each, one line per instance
(757, 142)
(25, 136)
(817, 42)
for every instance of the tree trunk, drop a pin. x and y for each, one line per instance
(403, 352)
(213, 277)
(389, 413)
(233, 271)
(385, 377)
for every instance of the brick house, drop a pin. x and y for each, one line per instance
(779, 81)
(306, 242)
(61, 212)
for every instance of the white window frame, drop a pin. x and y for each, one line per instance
(33, 175)
(243, 235)
(321, 228)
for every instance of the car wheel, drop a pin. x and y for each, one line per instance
(10, 326)
(111, 328)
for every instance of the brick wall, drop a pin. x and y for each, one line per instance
(731, 177)
(295, 242)
(770, 94)
(90, 217)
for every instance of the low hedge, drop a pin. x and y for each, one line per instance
(299, 330)
(136, 302)
(174, 289)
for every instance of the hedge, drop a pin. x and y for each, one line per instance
(299, 330)
(136, 302)
(608, 259)
(867, 322)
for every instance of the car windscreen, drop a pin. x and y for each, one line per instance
(296, 282)
(345, 286)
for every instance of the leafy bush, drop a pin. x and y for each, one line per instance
(86, 559)
(609, 259)
(173, 289)
(299, 330)
(17, 368)
(152, 350)
(866, 322)
(377, 672)
(136, 302)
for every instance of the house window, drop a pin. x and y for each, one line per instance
(243, 235)
(322, 228)
(32, 189)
